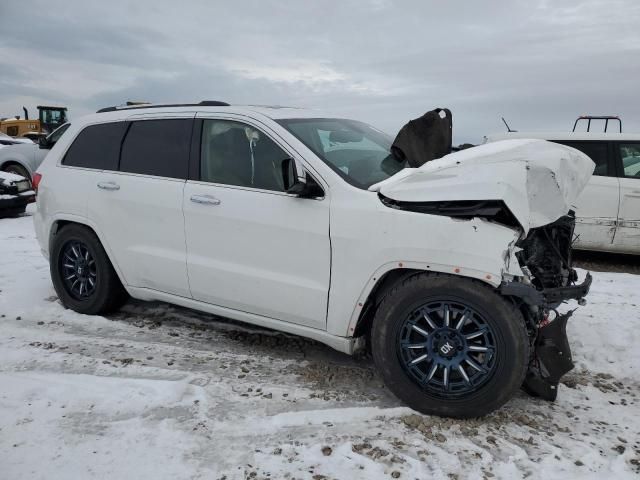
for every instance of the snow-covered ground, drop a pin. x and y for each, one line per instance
(158, 392)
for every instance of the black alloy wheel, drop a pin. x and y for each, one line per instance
(447, 347)
(79, 270)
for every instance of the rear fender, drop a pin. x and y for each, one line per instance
(62, 219)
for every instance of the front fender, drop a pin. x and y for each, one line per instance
(474, 248)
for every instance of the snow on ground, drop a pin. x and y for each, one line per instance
(156, 391)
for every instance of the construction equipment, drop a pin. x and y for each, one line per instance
(49, 118)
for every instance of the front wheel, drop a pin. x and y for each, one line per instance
(449, 345)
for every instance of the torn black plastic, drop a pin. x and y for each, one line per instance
(546, 297)
(551, 359)
(546, 253)
(495, 210)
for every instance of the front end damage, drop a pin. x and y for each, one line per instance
(545, 256)
(530, 187)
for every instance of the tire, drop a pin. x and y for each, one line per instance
(402, 336)
(91, 267)
(18, 170)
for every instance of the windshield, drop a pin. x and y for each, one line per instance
(356, 151)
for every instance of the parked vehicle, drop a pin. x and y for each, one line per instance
(15, 194)
(290, 220)
(23, 158)
(49, 119)
(6, 140)
(608, 210)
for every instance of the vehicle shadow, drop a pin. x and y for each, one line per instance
(607, 262)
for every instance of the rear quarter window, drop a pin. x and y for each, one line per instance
(96, 146)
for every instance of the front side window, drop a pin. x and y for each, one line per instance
(356, 151)
(234, 153)
(97, 146)
(157, 147)
(630, 155)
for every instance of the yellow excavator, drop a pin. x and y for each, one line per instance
(49, 118)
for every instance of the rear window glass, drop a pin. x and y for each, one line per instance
(97, 146)
(597, 151)
(157, 147)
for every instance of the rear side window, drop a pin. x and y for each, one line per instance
(157, 147)
(97, 146)
(597, 151)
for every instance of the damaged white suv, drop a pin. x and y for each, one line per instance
(306, 224)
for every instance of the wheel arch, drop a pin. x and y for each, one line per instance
(387, 276)
(59, 223)
(18, 162)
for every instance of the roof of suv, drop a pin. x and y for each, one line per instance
(578, 136)
(272, 111)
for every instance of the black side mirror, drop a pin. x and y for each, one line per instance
(297, 182)
(292, 180)
(45, 143)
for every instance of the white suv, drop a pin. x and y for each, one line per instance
(307, 224)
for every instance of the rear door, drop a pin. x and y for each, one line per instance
(597, 206)
(138, 205)
(627, 238)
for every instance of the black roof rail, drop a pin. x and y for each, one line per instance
(606, 119)
(204, 103)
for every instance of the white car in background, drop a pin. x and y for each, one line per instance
(608, 210)
(22, 157)
(6, 140)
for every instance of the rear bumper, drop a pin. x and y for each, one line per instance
(548, 297)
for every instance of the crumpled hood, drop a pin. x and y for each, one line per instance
(538, 181)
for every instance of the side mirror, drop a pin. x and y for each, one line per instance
(296, 181)
(45, 143)
(293, 176)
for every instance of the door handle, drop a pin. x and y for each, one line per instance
(108, 186)
(205, 199)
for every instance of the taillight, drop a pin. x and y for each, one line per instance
(37, 177)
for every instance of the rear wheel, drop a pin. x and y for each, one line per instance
(18, 170)
(82, 274)
(449, 346)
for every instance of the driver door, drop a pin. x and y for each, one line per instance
(252, 247)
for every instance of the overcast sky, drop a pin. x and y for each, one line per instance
(538, 63)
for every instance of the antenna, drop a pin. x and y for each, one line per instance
(507, 125)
